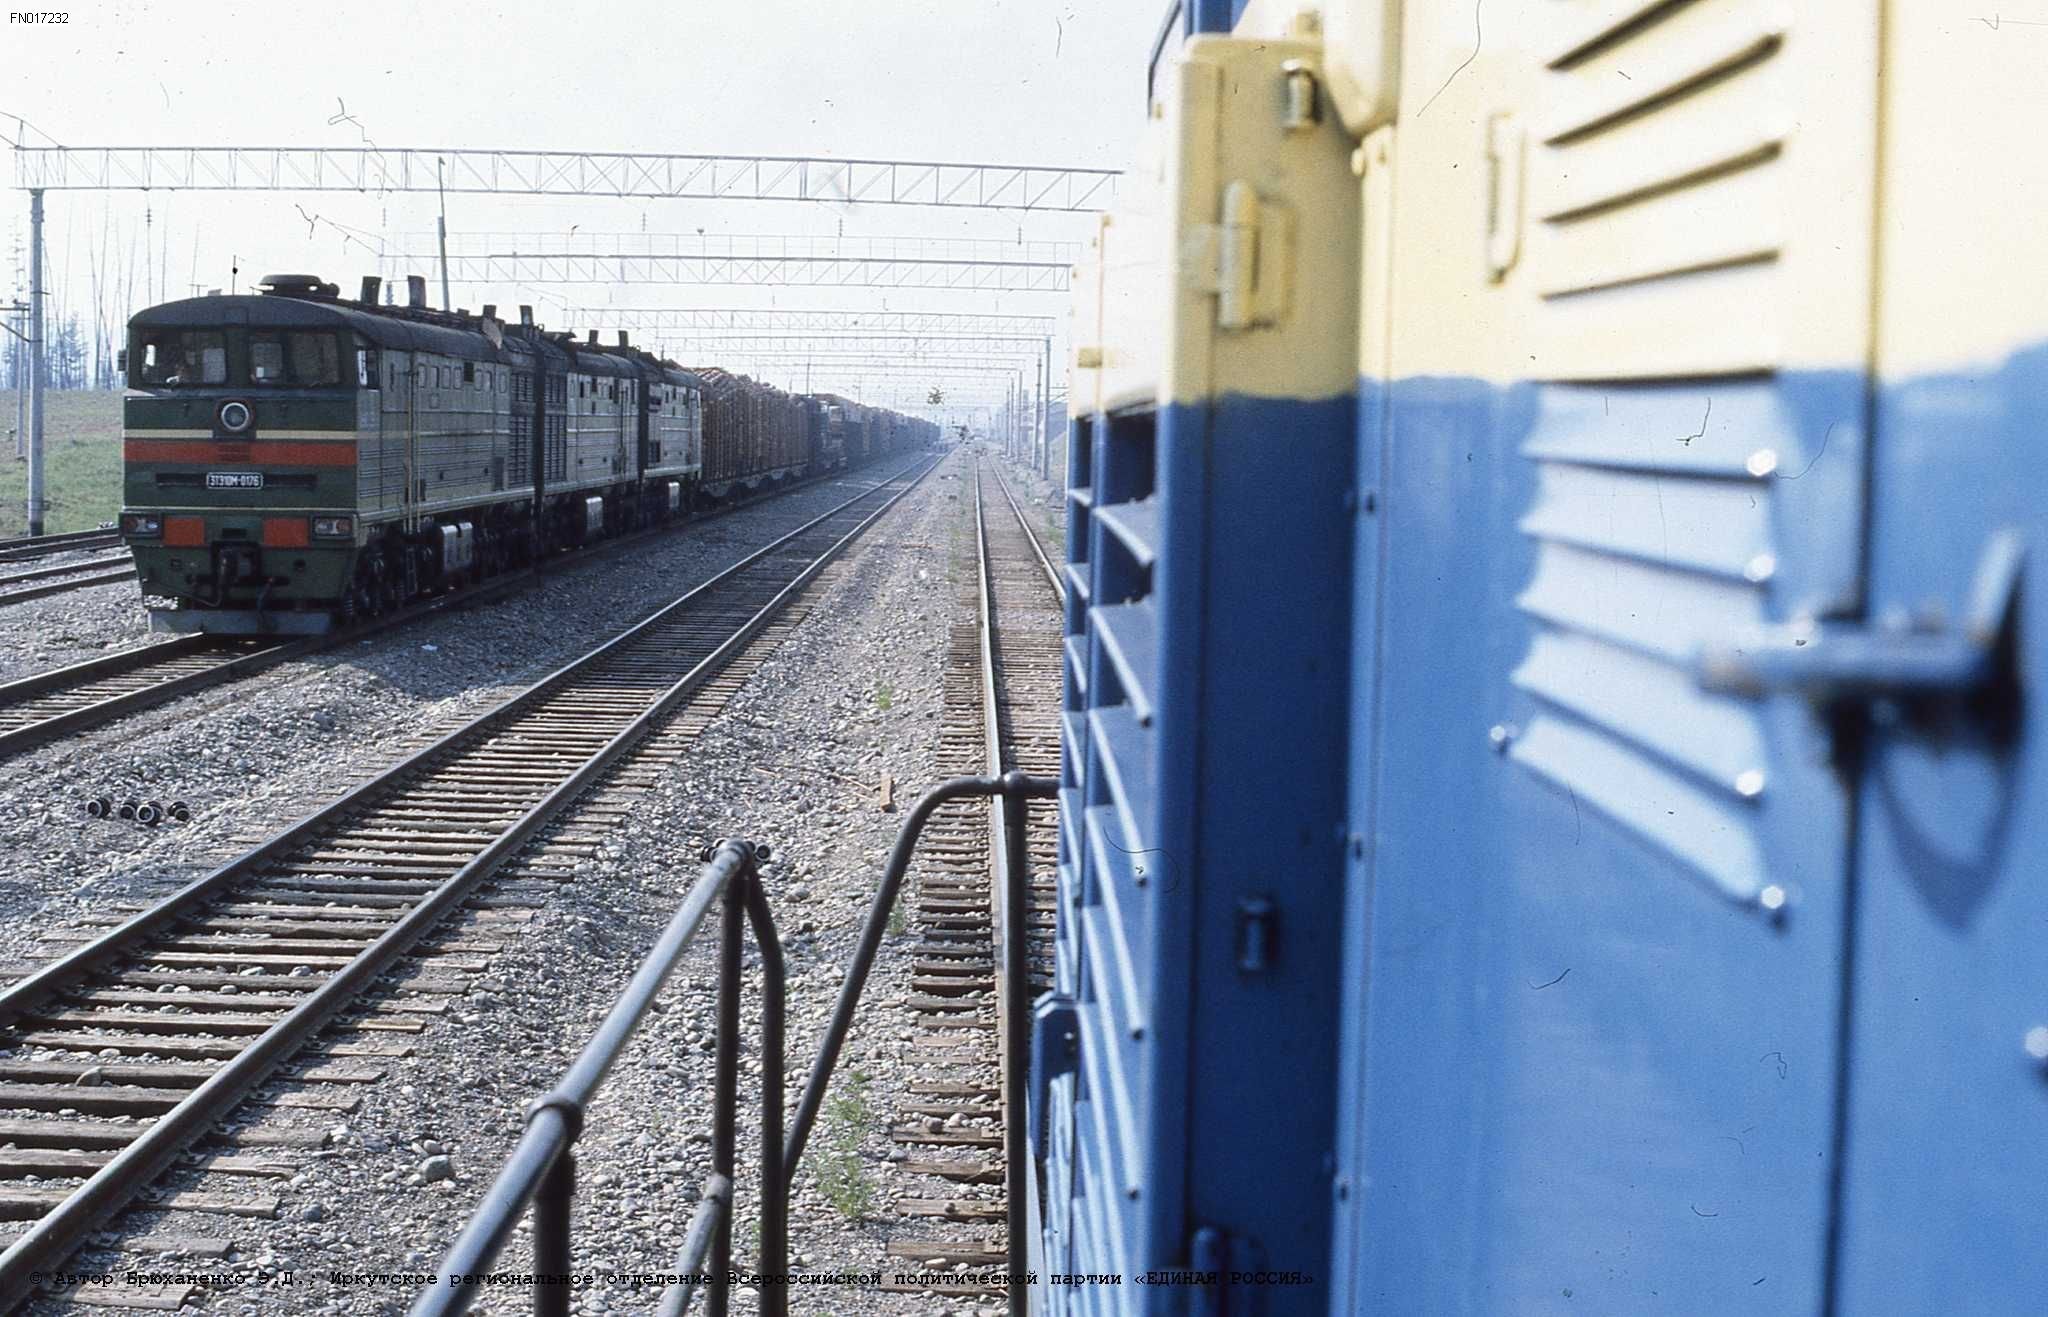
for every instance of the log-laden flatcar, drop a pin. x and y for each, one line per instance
(755, 435)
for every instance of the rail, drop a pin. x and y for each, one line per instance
(58, 702)
(676, 674)
(540, 1172)
(1051, 573)
(1007, 844)
(17, 547)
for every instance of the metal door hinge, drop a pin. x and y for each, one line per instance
(1840, 661)
(1246, 259)
(1503, 194)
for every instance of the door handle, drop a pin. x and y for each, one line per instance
(1836, 661)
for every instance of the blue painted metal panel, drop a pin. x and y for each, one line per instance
(1255, 592)
(1190, 525)
(1058, 1153)
(1946, 1182)
(1589, 1067)
(1119, 815)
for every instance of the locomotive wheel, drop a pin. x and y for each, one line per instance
(359, 601)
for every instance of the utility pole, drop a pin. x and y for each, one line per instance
(447, 303)
(1044, 453)
(35, 361)
(1027, 433)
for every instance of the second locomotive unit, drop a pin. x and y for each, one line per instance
(294, 460)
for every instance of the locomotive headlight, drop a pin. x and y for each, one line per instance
(235, 416)
(141, 523)
(334, 528)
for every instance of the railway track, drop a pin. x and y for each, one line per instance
(1001, 703)
(45, 706)
(21, 547)
(130, 1049)
(42, 582)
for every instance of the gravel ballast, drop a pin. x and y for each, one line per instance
(795, 760)
(250, 757)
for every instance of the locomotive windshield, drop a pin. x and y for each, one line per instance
(183, 356)
(264, 358)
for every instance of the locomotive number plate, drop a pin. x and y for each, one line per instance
(234, 480)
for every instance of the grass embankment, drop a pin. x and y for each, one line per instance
(81, 466)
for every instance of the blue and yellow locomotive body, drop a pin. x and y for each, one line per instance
(1609, 878)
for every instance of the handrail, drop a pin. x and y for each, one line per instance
(540, 1172)
(956, 788)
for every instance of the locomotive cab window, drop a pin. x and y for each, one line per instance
(315, 359)
(306, 360)
(266, 359)
(178, 357)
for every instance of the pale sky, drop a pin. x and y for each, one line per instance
(995, 81)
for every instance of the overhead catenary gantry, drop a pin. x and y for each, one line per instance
(814, 321)
(895, 347)
(1004, 366)
(758, 246)
(790, 271)
(565, 173)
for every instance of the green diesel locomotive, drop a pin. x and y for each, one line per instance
(294, 460)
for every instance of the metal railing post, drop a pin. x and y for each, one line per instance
(551, 1212)
(1016, 989)
(675, 1300)
(540, 1172)
(542, 1169)
(774, 1252)
(725, 1112)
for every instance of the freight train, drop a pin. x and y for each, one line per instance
(1553, 821)
(294, 460)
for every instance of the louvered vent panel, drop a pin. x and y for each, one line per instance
(1655, 232)
(1655, 191)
